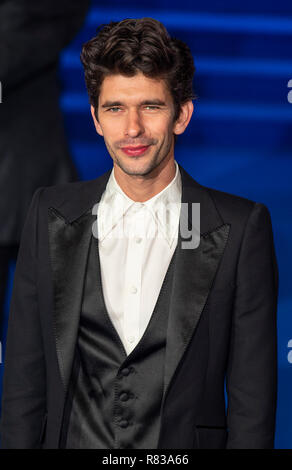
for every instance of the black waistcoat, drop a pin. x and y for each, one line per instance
(114, 400)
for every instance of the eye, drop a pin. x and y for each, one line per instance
(114, 109)
(150, 106)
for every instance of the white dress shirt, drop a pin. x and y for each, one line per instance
(136, 244)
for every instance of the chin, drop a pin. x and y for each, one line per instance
(136, 168)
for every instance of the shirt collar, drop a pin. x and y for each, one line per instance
(164, 207)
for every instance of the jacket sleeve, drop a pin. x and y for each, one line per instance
(24, 380)
(251, 381)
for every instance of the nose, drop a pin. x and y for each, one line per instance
(134, 124)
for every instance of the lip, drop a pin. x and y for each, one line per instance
(134, 151)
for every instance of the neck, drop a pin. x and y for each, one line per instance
(141, 188)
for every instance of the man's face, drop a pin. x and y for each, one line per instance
(135, 117)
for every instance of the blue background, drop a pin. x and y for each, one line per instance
(239, 139)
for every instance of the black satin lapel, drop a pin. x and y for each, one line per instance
(69, 247)
(194, 272)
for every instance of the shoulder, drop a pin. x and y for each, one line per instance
(231, 208)
(78, 189)
(73, 199)
(230, 205)
(238, 208)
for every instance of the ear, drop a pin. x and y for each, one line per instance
(184, 118)
(96, 123)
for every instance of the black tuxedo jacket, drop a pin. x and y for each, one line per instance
(222, 322)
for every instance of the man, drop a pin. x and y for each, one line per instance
(121, 335)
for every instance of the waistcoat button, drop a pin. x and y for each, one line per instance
(124, 396)
(125, 371)
(124, 423)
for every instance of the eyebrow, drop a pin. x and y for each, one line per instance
(154, 102)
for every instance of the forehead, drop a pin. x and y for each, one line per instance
(134, 89)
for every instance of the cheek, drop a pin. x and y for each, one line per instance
(110, 131)
(159, 128)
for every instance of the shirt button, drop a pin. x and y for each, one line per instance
(138, 240)
(131, 339)
(133, 289)
(134, 208)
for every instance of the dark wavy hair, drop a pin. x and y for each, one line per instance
(138, 45)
